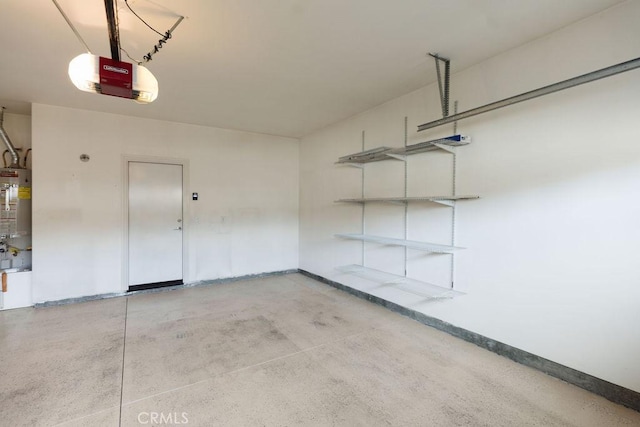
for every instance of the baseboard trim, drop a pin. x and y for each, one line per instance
(610, 391)
(162, 289)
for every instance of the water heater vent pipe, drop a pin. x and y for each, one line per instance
(15, 158)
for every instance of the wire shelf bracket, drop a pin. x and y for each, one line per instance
(447, 148)
(354, 165)
(400, 157)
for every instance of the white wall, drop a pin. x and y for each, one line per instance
(245, 221)
(552, 259)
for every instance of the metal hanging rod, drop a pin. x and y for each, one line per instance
(443, 86)
(66, 18)
(556, 87)
(112, 27)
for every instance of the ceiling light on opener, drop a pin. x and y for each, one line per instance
(91, 73)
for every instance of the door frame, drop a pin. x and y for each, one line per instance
(126, 159)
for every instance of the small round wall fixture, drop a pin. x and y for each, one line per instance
(84, 157)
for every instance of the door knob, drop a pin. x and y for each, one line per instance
(179, 228)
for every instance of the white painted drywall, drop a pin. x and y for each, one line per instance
(245, 221)
(552, 259)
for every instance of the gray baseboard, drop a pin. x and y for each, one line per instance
(610, 391)
(163, 289)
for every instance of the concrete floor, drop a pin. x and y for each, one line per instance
(281, 350)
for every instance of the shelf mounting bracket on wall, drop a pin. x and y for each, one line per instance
(397, 156)
(450, 203)
(354, 165)
(446, 148)
(443, 84)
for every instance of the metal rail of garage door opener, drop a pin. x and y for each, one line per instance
(556, 87)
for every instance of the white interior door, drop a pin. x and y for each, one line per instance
(155, 223)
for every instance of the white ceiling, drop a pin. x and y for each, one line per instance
(281, 67)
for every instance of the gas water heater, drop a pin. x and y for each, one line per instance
(15, 210)
(15, 219)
